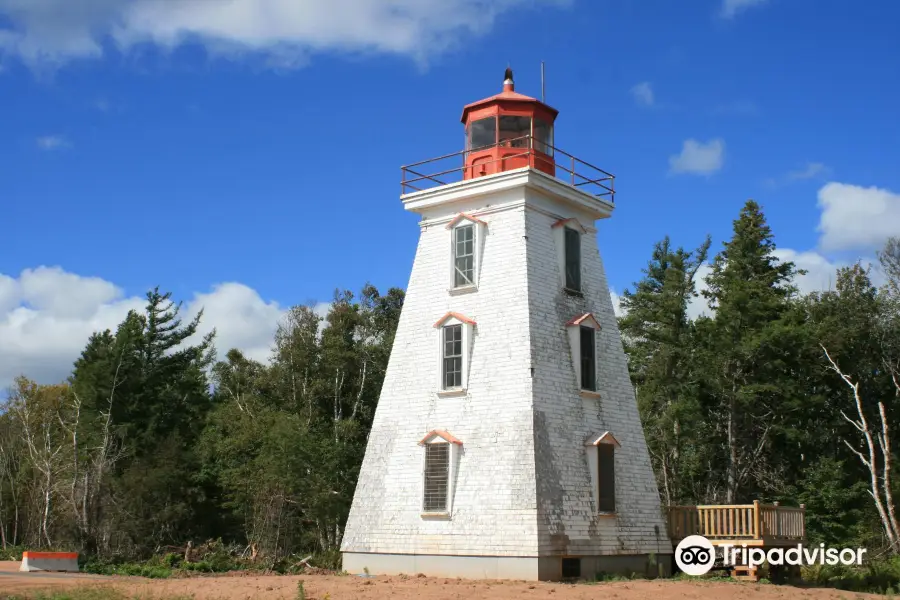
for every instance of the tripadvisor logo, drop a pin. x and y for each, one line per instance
(695, 555)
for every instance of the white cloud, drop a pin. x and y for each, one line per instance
(617, 303)
(47, 316)
(52, 142)
(857, 217)
(731, 8)
(643, 94)
(283, 32)
(699, 306)
(812, 170)
(241, 318)
(820, 272)
(698, 158)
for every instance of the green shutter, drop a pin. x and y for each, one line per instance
(606, 468)
(588, 361)
(573, 259)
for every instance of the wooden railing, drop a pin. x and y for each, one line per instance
(783, 522)
(761, 522)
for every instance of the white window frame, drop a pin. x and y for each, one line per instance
(590, 449)
(479, 231)
(559, 238)
(573, 329)
(440, 437)
(468, 327)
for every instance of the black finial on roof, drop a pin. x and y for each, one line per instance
(508, 75)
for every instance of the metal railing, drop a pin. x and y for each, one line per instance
(435, 172)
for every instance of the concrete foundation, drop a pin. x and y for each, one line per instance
(531, 568)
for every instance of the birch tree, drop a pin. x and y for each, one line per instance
(37, 408)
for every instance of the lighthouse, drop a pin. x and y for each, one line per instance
(507, 442)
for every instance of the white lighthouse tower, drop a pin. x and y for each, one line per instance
(507, 441)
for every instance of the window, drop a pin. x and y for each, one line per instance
(606, 479)
(467, 236)
(582, 331)
(440, 464)
(571, 568)
(482, 132)
(464, 255)
(543, 137)
(601, 459)
(437, 477)
(514, 131)
(573, 259)
(568, 234)
(455, 333)
(588, 363)
(453, 356)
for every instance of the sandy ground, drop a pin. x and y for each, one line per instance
(14, 581)
(337, 587)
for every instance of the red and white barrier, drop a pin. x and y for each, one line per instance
(50, 561)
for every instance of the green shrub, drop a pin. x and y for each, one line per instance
(150, 569)
(12, 553)
(172, 560)
(880, 576)
(327, 560)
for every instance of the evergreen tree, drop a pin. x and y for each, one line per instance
(145, 395)
(746, 348)
(658, 339)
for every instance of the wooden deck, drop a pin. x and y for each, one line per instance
(762, 525)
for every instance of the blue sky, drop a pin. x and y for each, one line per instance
(245, 154)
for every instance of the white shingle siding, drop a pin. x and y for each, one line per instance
(522, 484)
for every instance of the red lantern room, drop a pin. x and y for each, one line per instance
(508, 131)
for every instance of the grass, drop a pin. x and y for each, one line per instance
(878, 576)
(88, 593)
(219, 560)
(216, 559)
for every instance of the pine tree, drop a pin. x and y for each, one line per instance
(146, 389)
(746, 346)
(657, 334)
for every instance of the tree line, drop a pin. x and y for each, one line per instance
(773, 395)
(153, 441)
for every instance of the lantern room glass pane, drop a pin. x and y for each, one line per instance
(543, 137)
(513, 131)
(482, 132)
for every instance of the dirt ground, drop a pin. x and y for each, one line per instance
(340, 587)
(12, 581)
